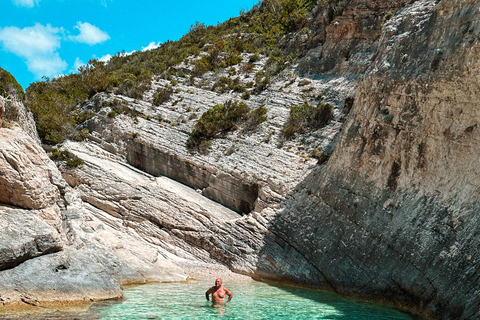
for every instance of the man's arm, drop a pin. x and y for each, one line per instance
(229, 294)
(207, 294)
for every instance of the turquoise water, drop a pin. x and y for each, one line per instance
(250, 301)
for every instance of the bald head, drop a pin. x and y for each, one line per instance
(218, 282)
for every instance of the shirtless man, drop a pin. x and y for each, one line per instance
(218, 293)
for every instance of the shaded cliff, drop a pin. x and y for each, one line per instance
(394, 213)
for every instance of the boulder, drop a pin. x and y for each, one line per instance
(23, 236)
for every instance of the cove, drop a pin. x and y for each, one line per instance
(252, 300)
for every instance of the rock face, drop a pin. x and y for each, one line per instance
(13, 111)
(392, 215)
(28, 178)
(347, 45)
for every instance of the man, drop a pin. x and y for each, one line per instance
(218, 293)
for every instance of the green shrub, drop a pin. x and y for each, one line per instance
(70, 159)
(6, 124)
(233, 59)
(220, 118)
(11, 113)
(162, 95)
(133, 89)
(305, 117)
(202, 65)
(289, 131)
(261, 82)
(256, 117)
(81, 135)
(222, 85)
(239, 88)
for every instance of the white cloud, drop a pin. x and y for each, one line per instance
(38, 45)
(49, 66)
(31, 40)
(89, 34)
(152, 45)
(26, 3)
(77, 64)
(105, 58)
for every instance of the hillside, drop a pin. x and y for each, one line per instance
(327, 143)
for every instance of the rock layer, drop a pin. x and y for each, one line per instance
(28, 178)
(394, 206)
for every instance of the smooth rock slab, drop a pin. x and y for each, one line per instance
(24, 236)
(59, 278)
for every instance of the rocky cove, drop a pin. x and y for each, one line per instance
(392, 215)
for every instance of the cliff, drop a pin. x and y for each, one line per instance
(391, 215)
(395, 210)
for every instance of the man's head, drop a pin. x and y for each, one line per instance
(218, 282)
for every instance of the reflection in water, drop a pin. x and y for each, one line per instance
(251, 301)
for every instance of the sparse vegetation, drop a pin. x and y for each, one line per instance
(256, 117)
(224, 118)
(220, 118)
(208, 48)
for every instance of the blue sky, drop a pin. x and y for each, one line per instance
(51, 37)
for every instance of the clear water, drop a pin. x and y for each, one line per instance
(250, 301)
